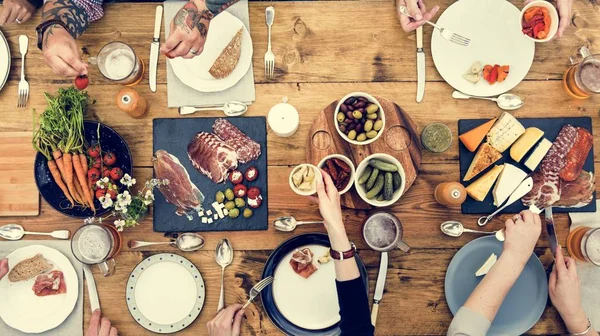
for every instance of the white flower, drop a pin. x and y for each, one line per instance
(126, 180)
(120, 224)
(106, 202)
(124, 199)
(102, 182)
(148, 197)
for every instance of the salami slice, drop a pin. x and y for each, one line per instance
(245, 148)
(577, 155)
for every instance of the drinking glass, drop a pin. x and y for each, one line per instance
(582, 80)
(97, 244)
(382, 231)
(118, 62)
(583, 244)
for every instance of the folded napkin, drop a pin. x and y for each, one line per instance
(73, 325)
(179, 94)
(589, 274)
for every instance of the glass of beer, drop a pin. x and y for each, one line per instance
(583, 244)
(97, 244)
(118, 62)
(582, 80)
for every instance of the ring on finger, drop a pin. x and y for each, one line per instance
(18, 21)
(517, 218)
(193, 52)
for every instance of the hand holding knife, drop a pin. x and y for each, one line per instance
(420, 65)
(549, 220)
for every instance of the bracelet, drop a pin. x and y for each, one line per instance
(586, 330)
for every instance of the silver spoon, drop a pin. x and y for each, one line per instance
(186, 242)
(231, 109)
(224, 257)
(456, 229)
(289, 223)
(16, 232)
(507, 101)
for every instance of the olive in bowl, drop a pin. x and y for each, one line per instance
(359, 118)
(380, 180)
(341, 170)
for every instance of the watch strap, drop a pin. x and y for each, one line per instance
(42, 27)
(339, 255)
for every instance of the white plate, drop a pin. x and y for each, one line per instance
(165, 293)
(4, 60)
(21, 309)
(194, 72)
(494, 29)
(308, 303)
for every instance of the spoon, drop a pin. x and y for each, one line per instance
(289, 223)
(507, 101)
(456, 229)
(224, 257)
(231, 109)
(186, 242)
(16, 232)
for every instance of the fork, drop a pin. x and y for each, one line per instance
(446, 33)
(257, 289)
(269, 56)
(23, 94)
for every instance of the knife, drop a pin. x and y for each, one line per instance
(154, 46)
(91, 285)
(420, 65)
(383, 268)
(550, 229)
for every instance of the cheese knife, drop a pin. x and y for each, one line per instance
(550, 229)
(154, 46)
(383, 267)
(522, 190)
(91, 285)
(420, 65)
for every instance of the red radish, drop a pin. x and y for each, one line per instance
(116, 174)
(100, 193)
(93, 174)
(81, 82)
(109, 158)
(94, 151)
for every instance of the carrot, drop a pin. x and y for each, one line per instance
(82, 181)
(68, 175)
(80, 192)
(58, 179)
(58, 157)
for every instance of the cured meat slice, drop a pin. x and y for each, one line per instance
(211, 156)
(545, 191)
(246, 148)
(577, 155)
(302, 263)
(52, 283)
(180, 191)
(578, 193)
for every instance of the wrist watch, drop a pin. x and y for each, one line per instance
(338, 255)
(42, 27)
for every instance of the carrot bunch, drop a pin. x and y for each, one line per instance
(59, 137)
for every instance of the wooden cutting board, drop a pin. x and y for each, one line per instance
(18, 193)
(400, 139)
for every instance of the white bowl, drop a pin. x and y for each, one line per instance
(361, 188)
(348, 162)
(553, 17)
(318, 176)
(371, 99)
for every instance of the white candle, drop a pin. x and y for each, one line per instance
(283, 119)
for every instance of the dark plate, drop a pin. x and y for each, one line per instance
(283, 324)
(110, 141)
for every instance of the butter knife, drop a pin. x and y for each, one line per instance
(383, 268)
(154, 46)
(91, 285)
(420, 65)
(550, 229)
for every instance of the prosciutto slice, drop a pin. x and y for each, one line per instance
(302, 263)
(212, 157)
(578, 193)
(180, 191)
(52, 283)
(246, 148)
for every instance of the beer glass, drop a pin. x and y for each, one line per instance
(582, 80)
(97, 244)
(118, 62)
(583, 244)
(382, 231)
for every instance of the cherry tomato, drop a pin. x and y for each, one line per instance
(93, 174)
(116, 174)
(94, 151)
(236, 177)
(109, 158)
(106, 172)
(240, 190)
(81, 82)
(253, 193)
(100, 193)
(251, 174)
(97, 163)
(112, 193)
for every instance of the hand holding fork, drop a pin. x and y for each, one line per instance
(257, 289)
(446, 33)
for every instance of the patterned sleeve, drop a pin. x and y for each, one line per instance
(217, 6)
(468, 323)
(92, 7)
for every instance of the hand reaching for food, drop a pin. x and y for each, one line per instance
(416, 9)
(3, 268)
(61, 53)
(522, 234)
(188, 31)
(228, 322)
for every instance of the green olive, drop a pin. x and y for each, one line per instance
(356, 114)
(352, 135)
(234, 213)
(247, 213)
(371, 134)
(220, 197)
(341, 117)
(229, 194)
(361, 137)
(230, 205)
(239, 202)
(368, 125)
(372, 108)
(378, 125)
(372, 116)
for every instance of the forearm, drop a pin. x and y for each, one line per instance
(75, 18)
(214, 6)
(344, 269)
(578, 323)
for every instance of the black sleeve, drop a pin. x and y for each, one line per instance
(36, 3)
(354, 308)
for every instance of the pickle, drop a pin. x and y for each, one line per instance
(388, 188)
(372, 178)
(377, 187)
(397, 181)
(381, 165)
(380, 198)
(365, 175)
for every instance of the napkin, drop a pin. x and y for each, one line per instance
(73, 325)
(179, 94)
(589, 273)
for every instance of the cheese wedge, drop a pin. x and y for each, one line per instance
(485, 157)
(505, 132)
(487, 266)
(509, 180)
(526, 142)
(480, 188)
(538, 154)
(473, 138)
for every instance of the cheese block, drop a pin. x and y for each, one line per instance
(480, 188)
(538, 154)
(531, 136)
(505, 132)
(485, 157)
(509, 180)
(474, 137)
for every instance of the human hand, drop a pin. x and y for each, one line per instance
(100, 327)
(522, 234)
(188, 31)
(416, 9)
(228, 321)
(3, 268)
(565, 13)
(16, 11)
(60, 52)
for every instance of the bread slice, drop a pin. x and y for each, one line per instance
(485, 157)
(29, 268)
(480, 188)
(229, 57)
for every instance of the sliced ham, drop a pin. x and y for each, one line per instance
(302, 263)
(578, 193)
(246, 148)
(52, 283)
(212, 157)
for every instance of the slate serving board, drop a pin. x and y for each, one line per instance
(551, 127)
(174, 135)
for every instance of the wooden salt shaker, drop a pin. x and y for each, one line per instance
(130, 102)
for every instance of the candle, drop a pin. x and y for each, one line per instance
(283, 119)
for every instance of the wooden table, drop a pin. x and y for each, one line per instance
(324, 49)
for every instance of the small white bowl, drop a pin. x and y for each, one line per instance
(361, 188)
(371, 99)
(348, 162)
(553, 17)
(318, 176)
